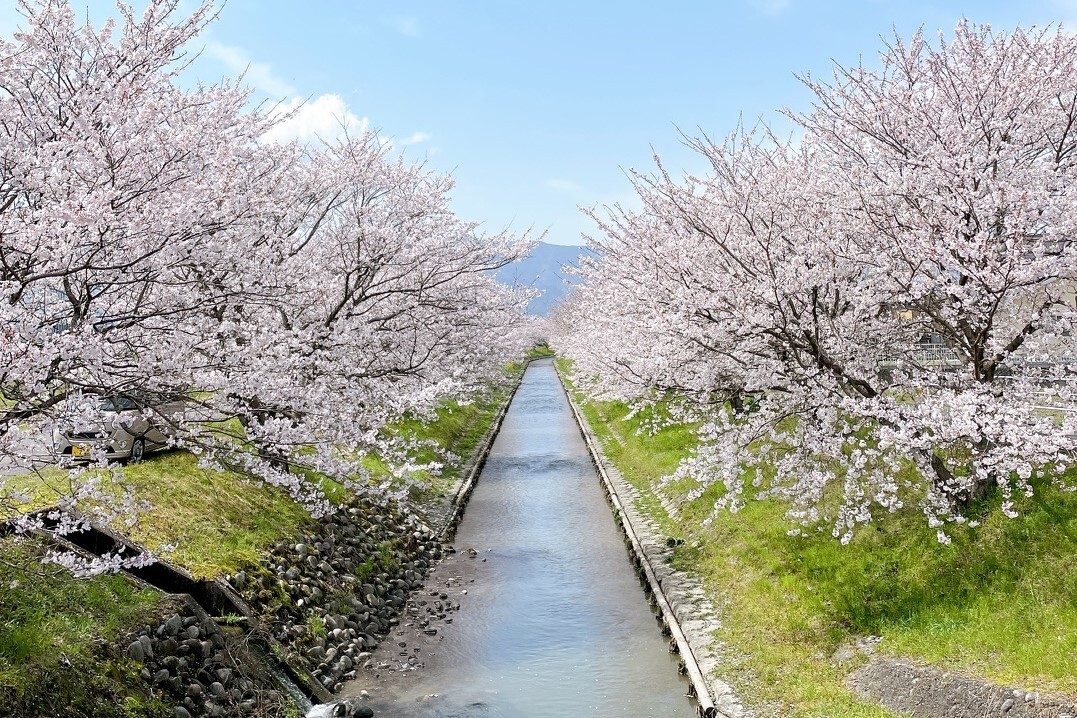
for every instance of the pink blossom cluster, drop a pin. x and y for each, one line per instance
(876, 314)
(154, 242)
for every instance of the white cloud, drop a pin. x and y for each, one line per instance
(406, 26)
(259, 75)
(324, 118)
(770, 7)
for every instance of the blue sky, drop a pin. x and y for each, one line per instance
(537, 108)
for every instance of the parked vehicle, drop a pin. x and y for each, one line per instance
(124, 426)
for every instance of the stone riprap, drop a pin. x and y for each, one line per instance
(198, 668)
(330, 594)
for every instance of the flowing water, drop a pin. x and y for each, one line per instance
(555, 623)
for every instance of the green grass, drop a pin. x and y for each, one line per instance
(53, 633)
(216, 521)
(1000, 602)
(539, 351)
(451, 435)
(219, 522)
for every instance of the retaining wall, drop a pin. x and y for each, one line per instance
(681, 606)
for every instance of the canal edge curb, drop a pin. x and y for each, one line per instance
(461, 491)
(714, 698)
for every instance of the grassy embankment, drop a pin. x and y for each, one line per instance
(53, 630)
(1000, 602)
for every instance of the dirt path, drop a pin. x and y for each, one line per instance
(929, 692)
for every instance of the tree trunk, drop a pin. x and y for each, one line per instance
(964, 500)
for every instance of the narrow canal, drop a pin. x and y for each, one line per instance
(552, 620)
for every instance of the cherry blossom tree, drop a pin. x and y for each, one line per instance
(960, 160)
(786, 295)
(153, 240)
(117, 189)
(388, 305)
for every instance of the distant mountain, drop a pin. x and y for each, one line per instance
(543, 270)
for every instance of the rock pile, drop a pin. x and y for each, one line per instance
(192, 665)
(333, 592)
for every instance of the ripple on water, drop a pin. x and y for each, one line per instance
(556, 624)
(539, 462)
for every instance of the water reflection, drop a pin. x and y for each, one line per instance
(555, 623)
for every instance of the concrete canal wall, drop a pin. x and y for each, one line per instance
(680, 604)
